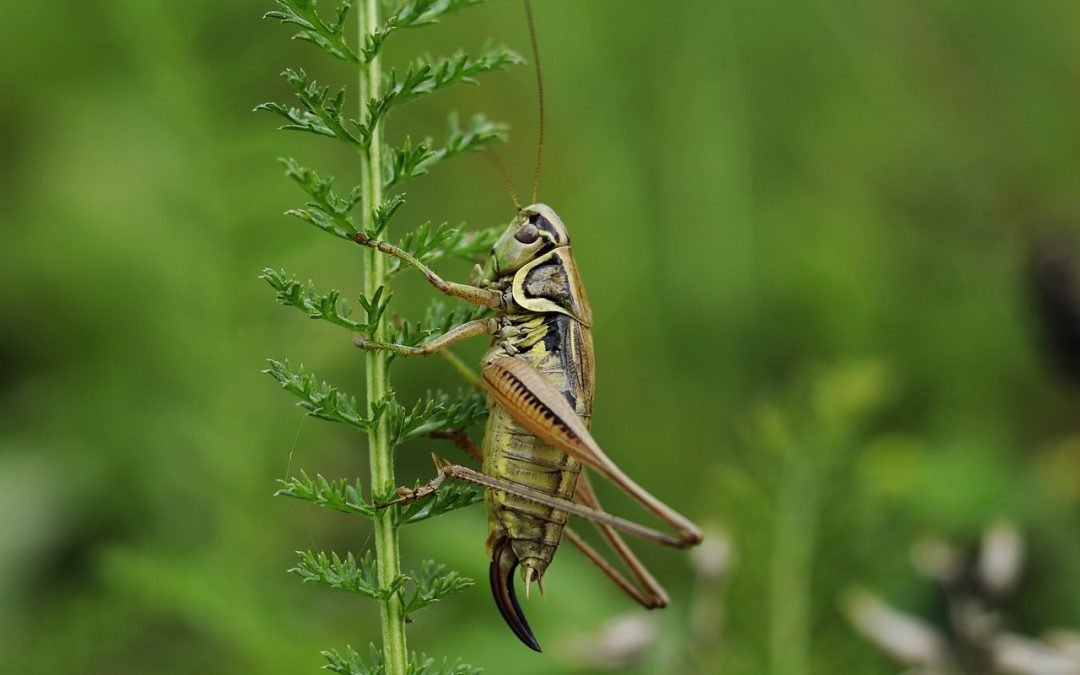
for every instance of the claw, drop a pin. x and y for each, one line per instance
(503, 564)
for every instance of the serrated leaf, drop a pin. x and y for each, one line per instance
(417, 13)
(411, 161)
(326, 210)
(322, 113)
(438, 411)
(329, 36)
(351, 663)
(347, 574)
(338, 495)
(327, 307)
(451, 496)
(432, 583)
(381, 215)
(429, 243)
(423, 77)
(320, 399)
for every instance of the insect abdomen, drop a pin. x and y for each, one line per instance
(533, 530)
(554, 345)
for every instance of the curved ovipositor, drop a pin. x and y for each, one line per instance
(503, 565)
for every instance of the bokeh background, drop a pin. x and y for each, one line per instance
(807, 231)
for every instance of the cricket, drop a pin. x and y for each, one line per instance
(538, 374)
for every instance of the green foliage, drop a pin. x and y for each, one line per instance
(322, 113)
(429, 243)
(328, 36)
(351, 663)
(326, 306)
(338, 495)
(794, 189)
(438, 318)
(424, 76)
(420, 589)
(453, 495)
(355, 216)
(433, 583)
(436, 411)
(409, 161)
(322, 400)
(347, 574)
(422, 12)
(326, 210)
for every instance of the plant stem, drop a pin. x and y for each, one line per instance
(381, 454)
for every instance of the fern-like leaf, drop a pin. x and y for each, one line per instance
(325, 306)
(322, 400)
(347, 574)
(328, 36)
(433, 583)
(453, 495)
(436, 411)
(423, 77)
(338, 495)
(411, 161)
(326, 210)
(351, 663)
(322, 113)
(417, 13)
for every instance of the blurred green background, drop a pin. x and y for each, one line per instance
(805, 230)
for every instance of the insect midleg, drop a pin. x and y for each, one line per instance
(450, 337)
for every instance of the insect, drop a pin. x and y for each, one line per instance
(538, 374)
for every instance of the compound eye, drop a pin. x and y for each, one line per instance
(527, 234)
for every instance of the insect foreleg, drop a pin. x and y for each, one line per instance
(452, 336)
(475, 295)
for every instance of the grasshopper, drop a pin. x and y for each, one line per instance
(538, 374)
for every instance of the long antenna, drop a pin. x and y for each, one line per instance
(539, 96)
(497, 162)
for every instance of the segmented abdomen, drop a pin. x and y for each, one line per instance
(561, 349)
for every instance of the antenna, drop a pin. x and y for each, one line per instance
(508, 183)
(539, 96)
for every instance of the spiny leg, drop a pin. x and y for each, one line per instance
(543, 410)
(471, 294)
(448, 470)
(654, 595)
(450, 337)
(408, 495)
(462, 440)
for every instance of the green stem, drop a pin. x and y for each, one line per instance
(381, 453)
